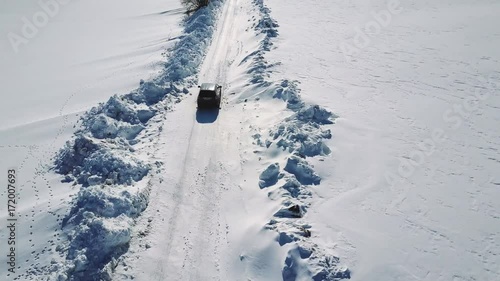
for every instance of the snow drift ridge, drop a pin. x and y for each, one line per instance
(302, 135)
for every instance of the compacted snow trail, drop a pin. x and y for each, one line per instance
(192, 225)
(195, 230)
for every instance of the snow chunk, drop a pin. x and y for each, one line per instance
(102, 127)
(285, 238)
(70, 158)
(302, 170)
(113, 167)
(288, 91)
(295, 267)
(269, 26)
(93, 163)
(108, 202)
(330, 269)
(290, 210)
(148, 93)
(305, 138)
(99, 230)
(96, 242)
(295, 189)
(308, 259)
(121, 109)
(269, 176)
(316, 114)
(313, 146)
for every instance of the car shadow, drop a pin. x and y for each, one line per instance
(208, 115)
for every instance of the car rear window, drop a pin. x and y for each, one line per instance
(207, 94)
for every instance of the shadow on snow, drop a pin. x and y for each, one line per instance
(207, 115)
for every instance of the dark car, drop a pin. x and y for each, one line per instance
(210, 95)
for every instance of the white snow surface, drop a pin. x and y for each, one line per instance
(411, 190)
(88, 51)
(356, 140)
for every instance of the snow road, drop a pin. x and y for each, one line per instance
(201, 224)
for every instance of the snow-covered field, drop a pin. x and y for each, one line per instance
(356, 140)
(411, 191)
(88, 51)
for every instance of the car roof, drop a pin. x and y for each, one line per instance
(208, 86)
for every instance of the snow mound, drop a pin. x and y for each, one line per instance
(113, 167)
(123, 109)
(150, 93)
(320, 267)
(71, 157)
(288, 91)
(294, 189)
(107, 202)
(99, 230)
(306, 260)
(101, 126)
(314, 114)
(95, 242)
(269, 176)
(91, 162)
(302, 170)
(291, 209)
(295, 267)
(304, 137)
